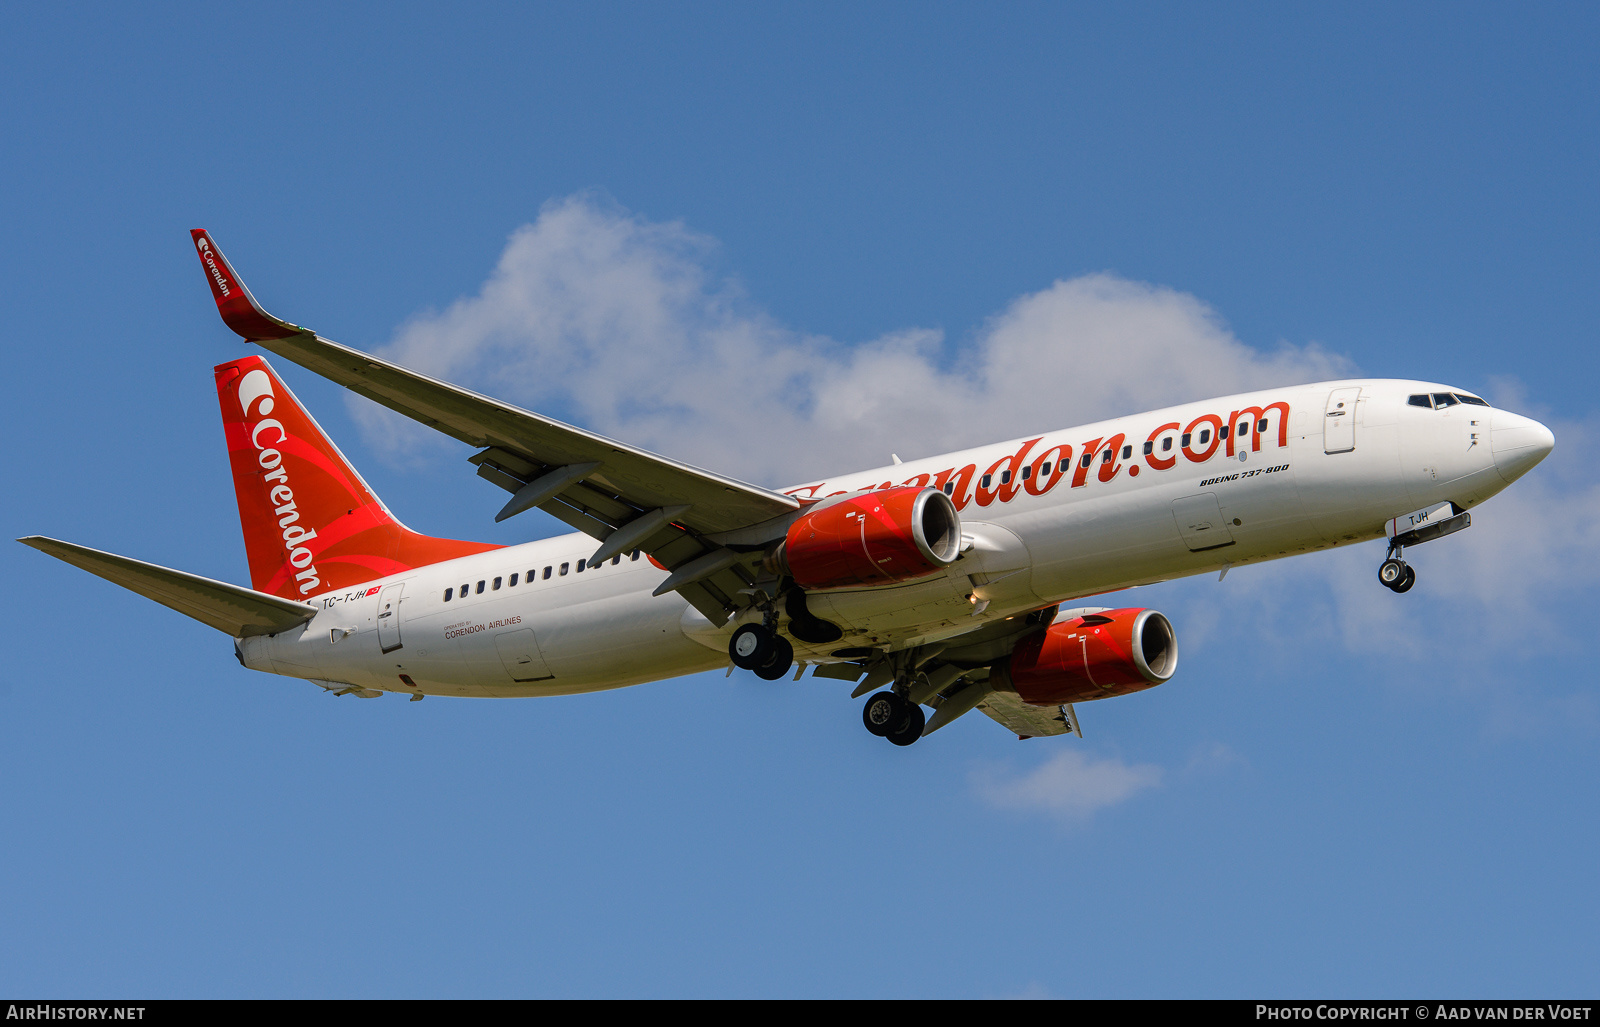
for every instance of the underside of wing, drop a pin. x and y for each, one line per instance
(238, 611)
(623, 496)
(1027, 721)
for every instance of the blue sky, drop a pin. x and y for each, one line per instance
(726, 216)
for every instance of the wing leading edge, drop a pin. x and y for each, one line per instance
(626, 497)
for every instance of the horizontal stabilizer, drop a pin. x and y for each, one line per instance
(232, 609)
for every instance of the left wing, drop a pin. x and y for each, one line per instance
(1027, 721)
(698, 524)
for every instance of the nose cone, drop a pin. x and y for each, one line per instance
(1519, 443)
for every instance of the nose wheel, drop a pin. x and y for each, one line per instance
(889, 716)
(757, 648)
(1397, 575)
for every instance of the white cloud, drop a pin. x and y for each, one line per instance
(620, 322)
(1068, 785)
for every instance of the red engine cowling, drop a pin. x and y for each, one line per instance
(1094, 656)
(872, 538)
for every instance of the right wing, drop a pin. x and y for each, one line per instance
(238, 611)
(684, 517)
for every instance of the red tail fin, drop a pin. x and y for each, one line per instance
(310, 523)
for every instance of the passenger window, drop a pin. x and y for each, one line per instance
(496, 584)
(1044, 468)
(1088, 458)
(635, 555)
(1222, 432)
(1106, 458)
(1149, 447)
(464, 590)
(564, 568)
(949, 490)
(1005, 477)
(1420, 400)
(1261, 426)
(1027, 472)
(1474, 400)
(448, 593)
(1127, 451)
(1166, 444)
(616, 559)
(1442, 400)
(513, 582)
(480, 588)
(985, 481)
(1185, 440)
(1244, 428)
(547, 573)
(580, 566)
(533, 575)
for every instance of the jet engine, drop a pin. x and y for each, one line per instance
(871, 538)
(1094, 655)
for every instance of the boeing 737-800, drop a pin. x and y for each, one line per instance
(943, 584)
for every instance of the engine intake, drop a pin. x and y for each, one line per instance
(872, 538)
(1094, 656)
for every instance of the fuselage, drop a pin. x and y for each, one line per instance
(1047, 518)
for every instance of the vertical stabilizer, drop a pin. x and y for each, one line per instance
(311, 525)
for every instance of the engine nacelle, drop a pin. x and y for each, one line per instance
(872, 538)
(1094, 656)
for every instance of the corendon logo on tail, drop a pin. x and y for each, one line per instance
(256, 399)
(209, 259)
(1037, 472)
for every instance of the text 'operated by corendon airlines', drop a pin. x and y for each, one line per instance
(939, 586)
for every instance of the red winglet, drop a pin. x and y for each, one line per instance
(239, 309)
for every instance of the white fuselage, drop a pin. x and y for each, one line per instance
(1320, 475)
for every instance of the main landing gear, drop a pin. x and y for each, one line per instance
(889, 716)
(1395, 574)
(757, 647)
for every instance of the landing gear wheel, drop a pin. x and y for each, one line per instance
(1407, 581)
(1392, 573)
(884, 714)
(911, 730)
(751, 647)
(777, 664)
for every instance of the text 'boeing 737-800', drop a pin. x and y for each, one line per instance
(945, 584)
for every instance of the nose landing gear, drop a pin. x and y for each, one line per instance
(889, 716)
(1395, 574)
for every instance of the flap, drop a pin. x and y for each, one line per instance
(1026, 720)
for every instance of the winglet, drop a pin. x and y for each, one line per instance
(238, 308)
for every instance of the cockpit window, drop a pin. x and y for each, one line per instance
(1443, 399)
(1421, 399)
(1474, 400)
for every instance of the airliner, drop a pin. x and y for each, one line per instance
(936, 586)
